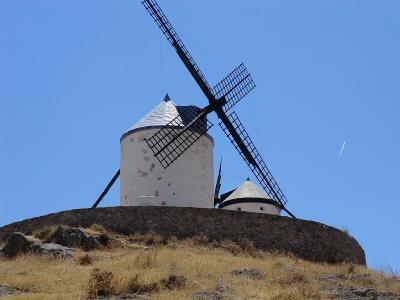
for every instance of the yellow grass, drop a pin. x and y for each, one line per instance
(203, 266)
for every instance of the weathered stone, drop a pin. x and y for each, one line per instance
(305, 239)
(251, 273)
(54, 250)
(6, 291)
(220, 292)
(74, 237)
(16, 244)
(351, 293)
(19, 243)
(126, 297)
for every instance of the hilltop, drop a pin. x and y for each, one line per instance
(151, 266)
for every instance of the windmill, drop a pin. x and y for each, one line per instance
(171, 141)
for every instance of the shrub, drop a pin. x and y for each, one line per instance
(85, 260)
(149, 239)
(173, 282)
(136, 285)
(100, 284)
(200, 240)
(45, 233)
(97, 227)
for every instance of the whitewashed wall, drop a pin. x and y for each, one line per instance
(188, 182)
(254, 207)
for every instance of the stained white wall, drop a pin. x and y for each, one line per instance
(254, 207)
(188, 182)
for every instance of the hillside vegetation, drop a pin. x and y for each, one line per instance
(151, 267)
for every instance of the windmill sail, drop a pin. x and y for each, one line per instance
(255, 161)
(172, 140)
(222, 98)
(168, 30)
(234, 87)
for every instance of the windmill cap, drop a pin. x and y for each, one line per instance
(163, 114)
(248, 190)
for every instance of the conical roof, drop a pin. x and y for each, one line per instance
(161, 115)
(248, 190)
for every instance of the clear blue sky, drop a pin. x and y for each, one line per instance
(74, 75)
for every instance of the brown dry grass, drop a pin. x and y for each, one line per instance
(172, 269)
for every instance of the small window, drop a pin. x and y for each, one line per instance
(239, 209)
(261, 208)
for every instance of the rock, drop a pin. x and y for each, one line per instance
(133, 297)
(366, 279)
(19, 243)
(351, 293)
(330, 277)
(221, 292)
(54, 250)
(75, 237)
(16, 244)
(6, 291)
(208, 295)
(223, 288)
(251, 273)
(126, 297)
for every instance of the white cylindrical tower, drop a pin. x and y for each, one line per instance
(188, 182)
(249, 197)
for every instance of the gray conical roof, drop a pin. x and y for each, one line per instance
(161, 115)
(248, 190)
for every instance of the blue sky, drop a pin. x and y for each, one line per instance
(74, 75)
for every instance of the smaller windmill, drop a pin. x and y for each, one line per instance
(171, 141)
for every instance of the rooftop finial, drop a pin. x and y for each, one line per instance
(167, 98)
(248, 179)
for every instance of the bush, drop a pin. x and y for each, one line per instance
(200, 240)
(135, 285)
(97, 227)
(85, 260)
(100, 284)
(149, 239)
(45, 233)
(173, 282)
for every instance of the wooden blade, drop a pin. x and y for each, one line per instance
(237, 134)
(174, 139)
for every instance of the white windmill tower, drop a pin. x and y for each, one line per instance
(182, 147)
(145, 182)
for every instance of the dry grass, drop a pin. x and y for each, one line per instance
(172, 269)
(45, 233)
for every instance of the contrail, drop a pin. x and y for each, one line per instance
(341, 150)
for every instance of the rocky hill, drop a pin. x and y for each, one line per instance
(93, 263)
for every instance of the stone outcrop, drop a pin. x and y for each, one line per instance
(18, 243)
(340, 290)
(76, 238)
(306, 239)
(7, 291)
(250, 273)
